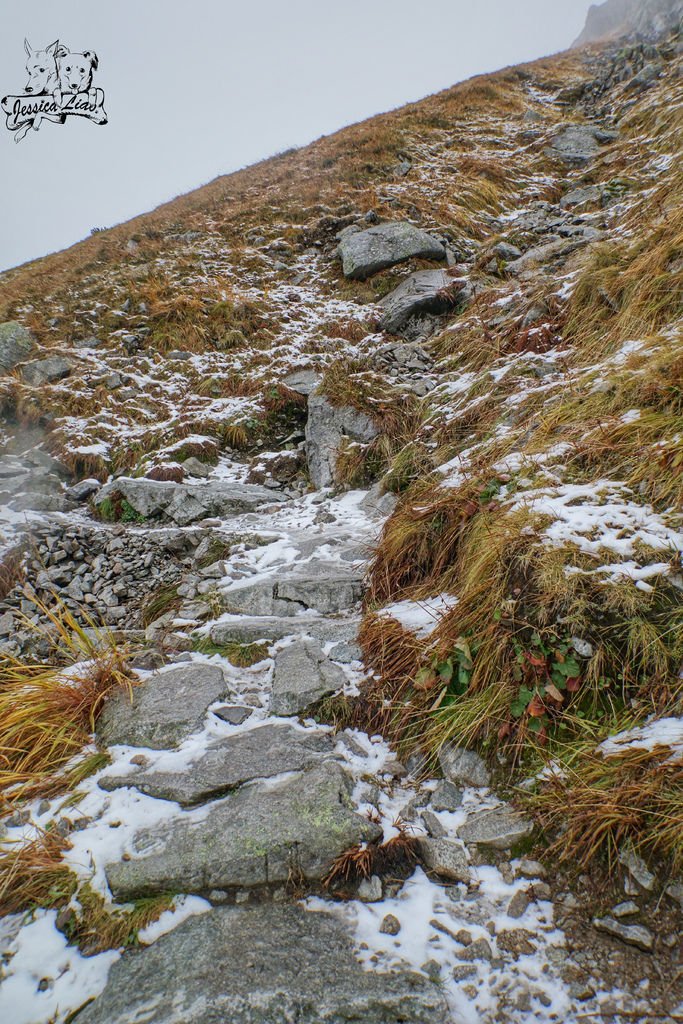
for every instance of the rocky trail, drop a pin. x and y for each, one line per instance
(311, 874)
(222, 790)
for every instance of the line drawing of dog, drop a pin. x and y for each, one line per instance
(41, 68)
(76, 70)
(43, 78)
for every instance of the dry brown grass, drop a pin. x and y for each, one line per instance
(48, 715)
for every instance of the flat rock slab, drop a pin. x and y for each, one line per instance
(262, 965)
(427, 291)
(578, 144)
(499, 828)
(165, 709)
(184, 503)
(262, 834)
(245, 629)
(323, 587)
(258, 753)
(303, 675)
(364, 253)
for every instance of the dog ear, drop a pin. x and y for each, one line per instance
(27, 47)
(62, 50)
(52, 48)
(92, 57)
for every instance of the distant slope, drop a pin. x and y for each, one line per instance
(630, 17)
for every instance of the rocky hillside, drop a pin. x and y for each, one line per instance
(341, 612)
(644, 18)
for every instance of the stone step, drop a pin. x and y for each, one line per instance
(263, 834)
(260, 965)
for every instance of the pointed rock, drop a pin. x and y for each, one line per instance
(427, 291)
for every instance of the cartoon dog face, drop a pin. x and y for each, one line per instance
(41, 67)
(76, 71)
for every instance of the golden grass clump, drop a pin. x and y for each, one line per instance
(593, 806)
(48, 714)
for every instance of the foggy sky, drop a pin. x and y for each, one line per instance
(201, 88)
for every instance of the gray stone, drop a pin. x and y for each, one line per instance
(233, 714)
(364, 253)
(165, 709)
(244, 629)
(578, 144)
(631, 934)
(433, 824)
(328, 427)
(463, 767)
(500, 828)
(543, 254)
(378, 503)
(445, 857)
(675, 891)
(262, 834)
(637, 868)
(82, 490)
(303, 382)
(506, 251)
(45, 371)
(303, 675)
(627, 909)
(427, 291)
(185, 503)
(582, 196)
(530, 869)
(324, 587)
(15, 344)
(259, 753)
(268, 964)
(519, 904)
(446, 797)
(480, 949)
(193, 467)
(370, 890)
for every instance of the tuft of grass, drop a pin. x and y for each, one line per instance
(33, 875)
(163, 600)
(593, 806)
(239, 655)
(47, 714)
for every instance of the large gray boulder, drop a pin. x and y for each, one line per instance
(327, 427)
(364, 253)
(184, 503)
(263, 834)
(303, 675)
(165, 708)
(578, 144)
(15, 344)
(262, 965)
(258, 753)
(46, 371)
(427, 291)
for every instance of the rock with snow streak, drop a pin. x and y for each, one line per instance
(303, 675)
(164, 709)
(229, 762)
(182, 503)
(578, 144)
(262, 834)
(364, 253)
(426, 291)
(262, 965)
(320, 586)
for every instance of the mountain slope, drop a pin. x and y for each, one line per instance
(645, 18)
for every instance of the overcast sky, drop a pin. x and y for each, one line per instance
(197, 89)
